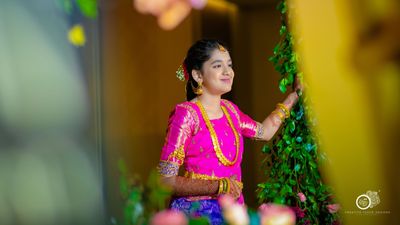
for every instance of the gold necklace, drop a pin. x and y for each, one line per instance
(214, 137)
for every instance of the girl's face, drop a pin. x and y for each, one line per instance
(217, 73)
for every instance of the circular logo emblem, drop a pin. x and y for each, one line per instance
(363, 202)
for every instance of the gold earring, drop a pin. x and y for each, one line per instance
(199, 89)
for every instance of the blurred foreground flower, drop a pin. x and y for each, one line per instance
(76, 35)
(234, 213)
(170, 13)
(272, 214)
(169, 217)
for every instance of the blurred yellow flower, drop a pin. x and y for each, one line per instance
(76, 35)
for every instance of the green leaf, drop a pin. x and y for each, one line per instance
(276, 49)
(266, 149)
(282, 30)
(278, 68)
(273, 59)
(297, 167)
(135, 195)
(282, 85)
(292, 126)
(284, 8)
(290, 78)
(289, 189)
(311, 189)
(293, 57)
(279, 200)
(88, 8)
(280, 5)
(288, 150)
(299, 139)
(279, 144)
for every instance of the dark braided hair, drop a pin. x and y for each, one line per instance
(197, 54)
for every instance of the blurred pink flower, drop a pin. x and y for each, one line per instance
(333, 208)
(169, 13)
(198, 4)
(234, 213)
(302, 197)
(226, 200)
(169, 217)
(273, 214)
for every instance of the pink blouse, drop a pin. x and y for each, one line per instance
(188, 142)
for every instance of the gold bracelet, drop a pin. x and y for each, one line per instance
(284, 109)
(220, 186)
(228, 186)
(280, 114)
(223, 186)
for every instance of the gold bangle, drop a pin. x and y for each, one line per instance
(284, 109)
(225, 186)
(220, 186)
(228, 184)
(280, 114)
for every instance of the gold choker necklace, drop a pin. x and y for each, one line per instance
(214, 137)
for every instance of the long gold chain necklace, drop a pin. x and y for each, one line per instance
(214, 137)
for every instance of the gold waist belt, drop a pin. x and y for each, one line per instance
(194, 175)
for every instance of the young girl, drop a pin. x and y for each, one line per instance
(205, 134)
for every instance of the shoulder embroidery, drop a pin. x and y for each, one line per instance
(194, 114)
(178, 154)
(168, 169)
(232, 109)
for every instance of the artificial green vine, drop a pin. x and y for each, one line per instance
(292, 161)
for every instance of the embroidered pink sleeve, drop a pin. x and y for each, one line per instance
(179, 132)
(249, 127)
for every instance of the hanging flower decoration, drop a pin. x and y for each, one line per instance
(301, 196)
(76, 35)
(169, 13)
(333, 208)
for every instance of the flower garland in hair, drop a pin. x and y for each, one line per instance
(182, 73)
